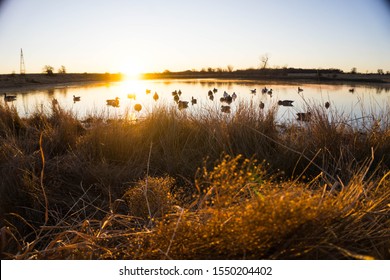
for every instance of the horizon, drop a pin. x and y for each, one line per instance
(150, 37)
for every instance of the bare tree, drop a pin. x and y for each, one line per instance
(230, 68)
(62, 70)
(264, 61)
(49, 70)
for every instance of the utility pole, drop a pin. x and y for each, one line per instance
(22, 66)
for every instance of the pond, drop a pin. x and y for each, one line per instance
(354, 101)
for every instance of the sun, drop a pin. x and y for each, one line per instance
(132, 71)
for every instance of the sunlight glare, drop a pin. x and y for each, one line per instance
(132, 71)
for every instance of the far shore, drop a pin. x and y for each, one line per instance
(15, 82)
(12, 82)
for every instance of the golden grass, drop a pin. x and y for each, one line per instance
(175, 186)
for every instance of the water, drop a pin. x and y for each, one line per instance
(364, 101)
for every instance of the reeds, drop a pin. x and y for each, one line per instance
(182, 186)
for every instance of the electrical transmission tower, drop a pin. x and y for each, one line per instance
(22, 66)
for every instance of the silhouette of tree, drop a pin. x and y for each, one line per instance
(264, 61)
(62, 70)
(353, 70)
(49, 70)
(230, 68)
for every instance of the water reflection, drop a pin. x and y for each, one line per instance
(135, 97)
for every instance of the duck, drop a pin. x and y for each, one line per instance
(264, 90)
(193, 101)
(225, 109)
(148, 91)
(211, 97)
(304, 116)
(54, 102)
(155, 96)
(300, 89)
(327, 105)
(270, 92)
(352, 90)
(234, 96)
(76, 98)
(113, 102)
(253, 91)
(176, 98)
(215, 90)
(210, 93)
(285, 102)
(9, 98)
(138, 107)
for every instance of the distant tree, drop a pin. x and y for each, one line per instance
(210, 69)
(62, 70)
(353, 70)
(230, 68)
(49, 70)
(380, 72)
(264, 61)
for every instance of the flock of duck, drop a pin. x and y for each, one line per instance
(226, 100)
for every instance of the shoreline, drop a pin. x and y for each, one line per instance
(16, 82)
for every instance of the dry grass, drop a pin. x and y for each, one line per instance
(175, 186)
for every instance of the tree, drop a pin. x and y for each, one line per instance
(353, 70)
(62, 70)
(264, 61)
(49, 70)
(230, 68)
(380, 72)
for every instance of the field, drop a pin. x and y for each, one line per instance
(174, 186)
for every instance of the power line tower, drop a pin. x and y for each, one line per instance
(22, 66)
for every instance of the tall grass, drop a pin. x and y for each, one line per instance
(176, 185)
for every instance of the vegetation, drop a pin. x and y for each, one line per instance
(178, 186)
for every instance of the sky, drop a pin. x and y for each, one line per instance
(132, 36)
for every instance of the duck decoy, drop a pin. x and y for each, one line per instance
(182, 105)
(261, 105)
(138, 107)
(76, 98)
(225, 109)
(285, 102)
(327, 105)
(304, 116)
(113, 102)
(155, 96)
(131, 96)
(9, 98)
(193, 101)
